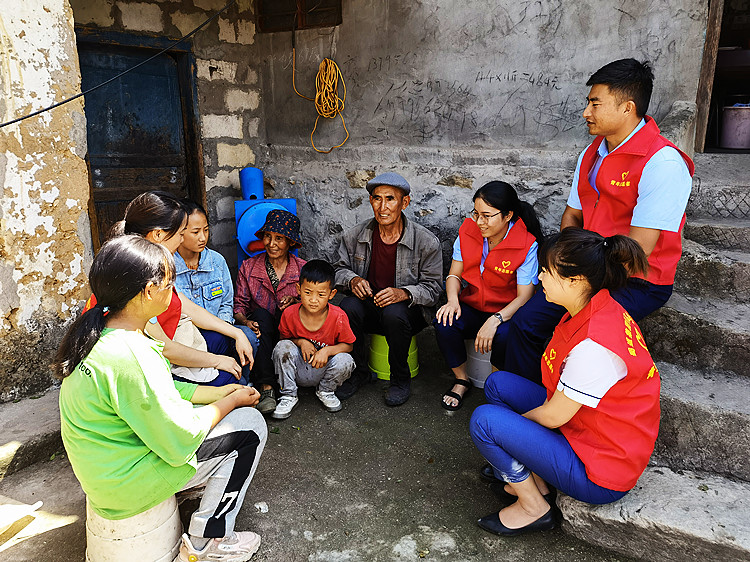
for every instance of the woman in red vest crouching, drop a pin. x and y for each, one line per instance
(590, 430)
(494, 259)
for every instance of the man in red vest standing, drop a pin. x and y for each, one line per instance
(630, 180)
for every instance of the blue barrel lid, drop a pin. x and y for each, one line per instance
(251, 220)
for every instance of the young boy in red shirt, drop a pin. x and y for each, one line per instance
(315, 342)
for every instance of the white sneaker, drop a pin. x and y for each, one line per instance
(329, 399)
(238, 547)
(284, 407)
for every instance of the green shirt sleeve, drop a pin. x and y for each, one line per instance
(146, 398)
(186, 389)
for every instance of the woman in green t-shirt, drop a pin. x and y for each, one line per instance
(132, 434)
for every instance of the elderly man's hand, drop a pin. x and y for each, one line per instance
(390, 295)
(361, 288)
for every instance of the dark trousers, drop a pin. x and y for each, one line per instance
(263, 370)
(451, 338)
(220, 344)
(533, 324)
(397, 322)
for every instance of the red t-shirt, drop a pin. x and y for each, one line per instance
(335, 329)
(382, 271)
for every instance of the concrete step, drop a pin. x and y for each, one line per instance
(720, 234)
(700, 333)
(705, 421)
(721, 186)
(669, 516)
(713, 273)
(31, 432)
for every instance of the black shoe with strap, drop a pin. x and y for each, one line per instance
(456, 395)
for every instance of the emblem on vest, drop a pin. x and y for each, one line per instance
(632, 332)
(504, 265)
(622, 183)
(548, 359)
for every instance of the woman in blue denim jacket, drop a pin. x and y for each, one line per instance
(202, 273)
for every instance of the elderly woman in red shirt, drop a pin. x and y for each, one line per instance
(266, 285)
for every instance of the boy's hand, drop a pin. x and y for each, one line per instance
(307, 349)
(319, 358)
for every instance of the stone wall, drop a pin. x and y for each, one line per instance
(44, 226)
(227, 85)
(454, 94)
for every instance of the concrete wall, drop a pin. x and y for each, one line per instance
(44, 226)
(454, 94)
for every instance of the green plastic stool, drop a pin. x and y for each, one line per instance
(379, 357)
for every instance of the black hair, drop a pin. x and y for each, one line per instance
(503, 197)
(121, 270)
(627, 79)
(191, 207)
(150, 211)
(318, 271)
(605, 263)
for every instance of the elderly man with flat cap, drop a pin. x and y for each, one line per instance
(391, 268)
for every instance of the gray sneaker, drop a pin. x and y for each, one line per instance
(267, 402)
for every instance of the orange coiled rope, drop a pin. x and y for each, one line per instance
(328, 104)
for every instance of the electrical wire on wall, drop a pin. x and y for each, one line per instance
(124, 72)
(328, 104)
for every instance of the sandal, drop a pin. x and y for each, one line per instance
(455, 395)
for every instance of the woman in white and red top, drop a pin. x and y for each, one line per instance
(494, 260)
(601, 389)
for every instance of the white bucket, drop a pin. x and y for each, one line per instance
(151, 536)
(478, 365)
(735, 127)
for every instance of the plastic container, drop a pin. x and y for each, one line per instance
(251, 183)
(735, 127)
(478, 365)
(151, 536)
(379, 357)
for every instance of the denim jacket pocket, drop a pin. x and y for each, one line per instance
(212, 291)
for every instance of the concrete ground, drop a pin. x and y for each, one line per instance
(367, 483)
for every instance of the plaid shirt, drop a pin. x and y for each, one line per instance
(254, 289)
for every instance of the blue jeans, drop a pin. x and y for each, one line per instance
(533, 324)
(516, 446)
(224, 345)
(451, 338)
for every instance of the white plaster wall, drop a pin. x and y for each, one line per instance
(44, 227)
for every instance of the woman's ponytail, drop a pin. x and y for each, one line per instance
(623, 257)
(78, 342)
(528, 215)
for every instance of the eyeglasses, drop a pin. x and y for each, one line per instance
(476, 216)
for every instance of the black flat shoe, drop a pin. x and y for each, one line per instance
(456, 395)
(351, 385)
(498, 488)
(487, 473)
(493, 524)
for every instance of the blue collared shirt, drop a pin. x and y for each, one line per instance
(209, 286)
(663, 191)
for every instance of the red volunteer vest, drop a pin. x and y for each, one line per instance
(168, 319)
(491, 290)
(611, 210)
(614, 440)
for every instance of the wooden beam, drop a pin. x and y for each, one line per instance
(708, 68)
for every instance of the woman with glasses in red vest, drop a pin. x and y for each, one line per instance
(493, 273)
(590, 430)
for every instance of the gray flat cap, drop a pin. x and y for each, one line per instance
(389, 178)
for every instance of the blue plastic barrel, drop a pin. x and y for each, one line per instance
(251, 183)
